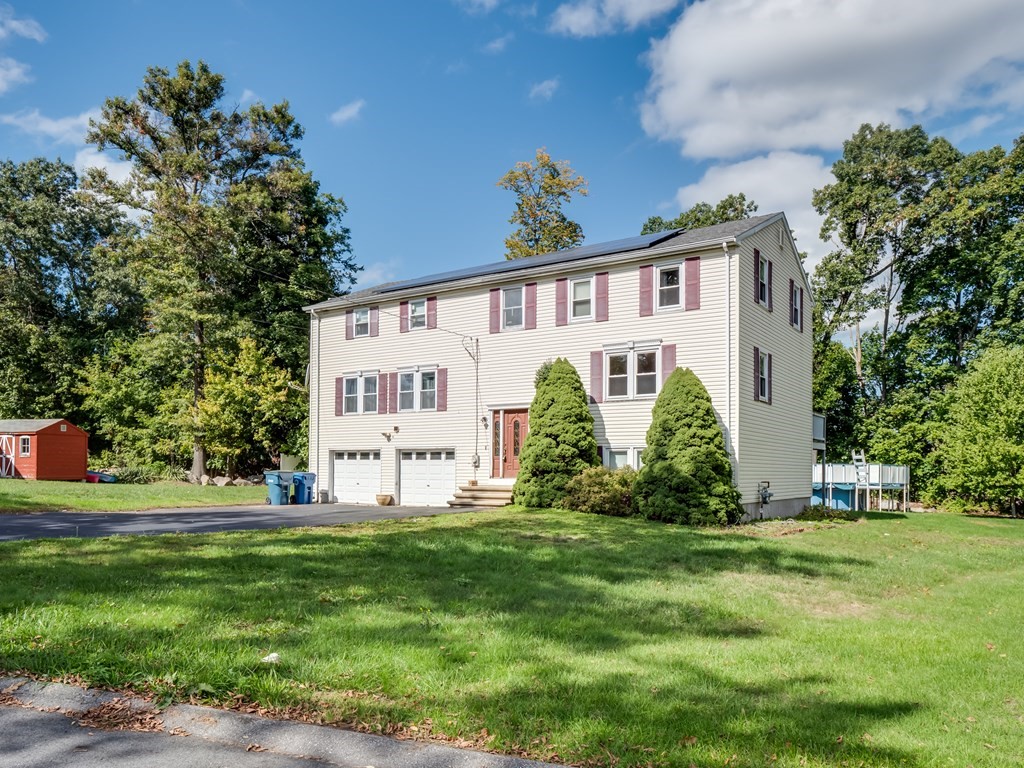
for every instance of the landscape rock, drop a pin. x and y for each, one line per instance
(204, 480)
(242, 481)
(222, 481)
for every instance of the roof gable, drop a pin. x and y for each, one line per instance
(31, 426)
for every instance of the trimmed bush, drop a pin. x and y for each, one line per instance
(686, 475)
(601, 491)
(560, 442)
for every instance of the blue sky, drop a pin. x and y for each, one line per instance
(413, 110)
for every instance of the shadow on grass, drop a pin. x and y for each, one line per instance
(522, 624)
(876, 515)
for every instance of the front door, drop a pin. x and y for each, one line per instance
(509, 432)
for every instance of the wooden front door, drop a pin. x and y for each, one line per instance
(509, 432)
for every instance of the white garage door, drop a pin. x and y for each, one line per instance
(357, 476)
(427, 478)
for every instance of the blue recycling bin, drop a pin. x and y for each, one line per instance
(304, 482)
(279, 486)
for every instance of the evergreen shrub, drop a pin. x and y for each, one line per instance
(601, 491)
(560, 442)
(686, 475)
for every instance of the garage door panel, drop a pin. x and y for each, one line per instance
(357, 476)
(427, 477)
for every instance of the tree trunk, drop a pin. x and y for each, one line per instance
(198, 460)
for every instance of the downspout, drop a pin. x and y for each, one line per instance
(319, 475)
(728, 352)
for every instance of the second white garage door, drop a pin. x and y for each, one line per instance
(426, 478)
(357, 476)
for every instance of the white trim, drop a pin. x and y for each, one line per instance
(356, 323)
(23, 441)
(417, 387)
(631, 352)
(411, 315)
(522, 307)
(658, 306)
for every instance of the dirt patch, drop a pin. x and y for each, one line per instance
(827, 605)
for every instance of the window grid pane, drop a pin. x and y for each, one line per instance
(427, 391)
(668, 288)
(581, 290)
(418, 313)
(369, 394)
(513, 304)
(406, 393)
(618, 375)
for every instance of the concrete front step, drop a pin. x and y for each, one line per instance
(482, 496)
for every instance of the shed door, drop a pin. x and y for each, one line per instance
(357, 476)
(6, 455)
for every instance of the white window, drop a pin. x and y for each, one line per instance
(361, 322)
(418, 314)
(762, 279)
(582, 299)
(617, 458)
(796, 306)
(361, 394)
(763, 376)
(24, 445)
(632, 373)
(668, 287)
(417, 390)
(512, 308)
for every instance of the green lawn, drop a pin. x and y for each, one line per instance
(39, 495)
(596, 641)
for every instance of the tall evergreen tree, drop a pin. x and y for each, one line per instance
(237, 235)
(560, 443)
(686, 475)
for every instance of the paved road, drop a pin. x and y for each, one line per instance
(59, 525)
(40, 727)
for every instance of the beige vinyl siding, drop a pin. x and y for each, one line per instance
(508, 362)
(774, 441)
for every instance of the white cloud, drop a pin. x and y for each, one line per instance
(11, 73)
(589, 18)
(543, 91)
(10, 26)
(248, 97)
(348, 112)
(778, 181)
(733, 77)
(378, 272)
(63, 130)
(499, 44)
(90, 157)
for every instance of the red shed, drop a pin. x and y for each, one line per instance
(43, 449)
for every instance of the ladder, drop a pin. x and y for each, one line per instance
(860, 468)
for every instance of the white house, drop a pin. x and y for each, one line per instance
(422, 386)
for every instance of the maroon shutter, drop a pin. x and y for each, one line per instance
(382, 393)
(770, 286)
(668, 361)
(350, 325)
(432, 312)
(757, 374)
(561, 301)
(374, 321)
(646, 290)
(769, 379)
(757, 276)
(601, 297)
(791, 301)
(801, 310)
(600, 454)
(393, 392)
(339, 396)
(596, 376)
(495, 310)
(403, 317)
(530, 306)
(441, 382)
(692, 267)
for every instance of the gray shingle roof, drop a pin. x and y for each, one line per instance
(680, 237)
(12, 426)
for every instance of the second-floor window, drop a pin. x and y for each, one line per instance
(797, 303)
(361, 322)
(361, 394)
(418, 314)
(512, 308)
(668, 287)
(762, 279)
(417, 390)
(582, 299)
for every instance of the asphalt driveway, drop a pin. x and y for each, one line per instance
(61, 525)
